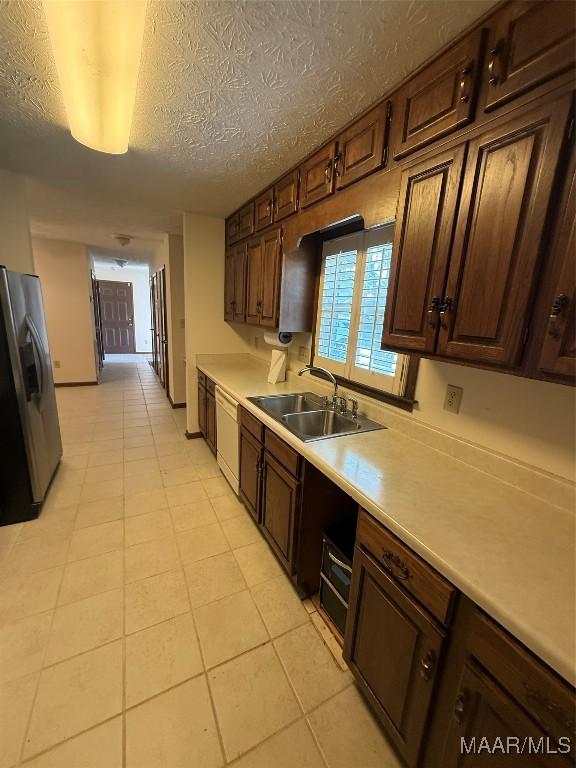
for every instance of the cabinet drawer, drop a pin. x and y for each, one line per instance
(406, 568)
(282, 452)
(251, 423)
(210, 386)
(201, 379)
(546, 698)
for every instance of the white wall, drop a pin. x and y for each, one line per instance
(15, 243)
(176, 319)
(64, 271)
(139, 276)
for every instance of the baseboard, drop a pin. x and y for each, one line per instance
(173, 404)
(192, 435)
(76, 384)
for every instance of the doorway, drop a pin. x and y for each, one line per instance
(159, 326)
(117, 308)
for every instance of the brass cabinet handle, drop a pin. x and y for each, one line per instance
(464, 78)
(328, 172)
(558, 306)
(445, 307)
(494, 55)
(460, 706)
(433, 310)
(427, 665)
(397, 563)
(337, 164)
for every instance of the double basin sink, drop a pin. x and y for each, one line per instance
(308, 417)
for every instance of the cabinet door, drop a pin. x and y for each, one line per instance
(240, 284)
(361, 147)
(485, 715)
(505, 195)
(211, 421)
(202, 409)
(271, 266)
(317, 176)
(441, 98)
(232, 229)
(286, 196)
(279, 509)
(422, 240)
(246, 221)
(393, 648)
(558, 354)
(253, 280)
(251, 452)
(530, 42)
(229, 278)
(264, 213)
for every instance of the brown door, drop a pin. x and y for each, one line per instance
(264, 213)
(530, 42)
(229, 276)
(270, 286)
(240, 283)
(202, 408)
(211, 421)
(505, 195)
(97, 310)
(361, 147)
(153, 329)
(286, 196)
(422, 241)
(117, 317)
(253, 280)
(393, 648)
(279, 509)
(483, 714)
(251, 453)
(317, 176)
(441, 98)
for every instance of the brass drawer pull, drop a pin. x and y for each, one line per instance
(558, 306)
(427, 665)
(395, 560)
(464, 76)
(460, 707)
(494, 54)
(433, 311)
(328, 172)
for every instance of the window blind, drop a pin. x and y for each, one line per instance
(337, 293)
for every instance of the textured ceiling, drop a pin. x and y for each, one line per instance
(230, 94)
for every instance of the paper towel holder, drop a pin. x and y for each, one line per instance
(278, 338)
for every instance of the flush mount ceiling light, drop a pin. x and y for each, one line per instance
(123, 239)
(97, 46)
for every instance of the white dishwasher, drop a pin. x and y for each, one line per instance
(227, 434)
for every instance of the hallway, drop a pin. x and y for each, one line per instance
(143, 620)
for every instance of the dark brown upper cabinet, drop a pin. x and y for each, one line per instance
(441, 98)
(239, 261)
(362, 147)
(263, 279)
(507, 186)
(232, 229)
(286, 196)
(317, 176)
(264, 206)
(421, 250)
(246, 221)
(253, 280)
(229, 278)
(530, 42)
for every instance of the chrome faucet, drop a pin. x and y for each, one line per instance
(330, 376)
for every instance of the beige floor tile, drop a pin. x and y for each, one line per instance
(175, 461)
(217, 486)
(294, 747)
(174, 730)
(103, 473)
(74, 696)
(199, 451)
(150, 558)
(28, 593)
(85, 624)
(310, 666)
(108, 434)
(75, 462)
(155, 599)
(64, 497)
(67, 477)
(240, 531)
(328, 637)
(142, 452)
(228, 627)
(208, 469)
(252, 698)
(137, 441)
(147, 501)
(349, 735)
(36, 554)
(85, 578)
(103, 490)
(77, 449)
(16, 699)
(99, 511)
(206, 541)
(193, 515)
(22, 646)
(140, 467)
(100, 747)
(257, 563)
(227, 507)
(280, 606)
(103, 457)
(171, 449)
(213, 578)
(52, 524)
(147, 527)
(142, 483)
(185, 494)
(89, 542)
(161, 657)
(179, 476)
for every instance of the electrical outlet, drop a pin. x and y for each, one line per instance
(303, 354)
(56, 363)
(453, 398)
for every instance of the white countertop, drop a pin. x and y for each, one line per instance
(508, 551)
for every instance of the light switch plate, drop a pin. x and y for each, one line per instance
(453, 398)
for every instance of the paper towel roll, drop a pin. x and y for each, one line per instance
(278, 338)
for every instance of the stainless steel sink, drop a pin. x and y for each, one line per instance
(304, 415)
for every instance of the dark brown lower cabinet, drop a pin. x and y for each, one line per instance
(279, 509)
(211, 421)
(393, 647)
(251, 454)
(202, 408)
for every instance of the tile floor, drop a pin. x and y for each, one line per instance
(144, 622)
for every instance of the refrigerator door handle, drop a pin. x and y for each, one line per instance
(40, 355)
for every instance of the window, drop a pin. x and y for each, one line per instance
(351, 304)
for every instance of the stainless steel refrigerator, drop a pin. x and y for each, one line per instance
(30, 444)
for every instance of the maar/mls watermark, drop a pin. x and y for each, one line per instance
(515, 745)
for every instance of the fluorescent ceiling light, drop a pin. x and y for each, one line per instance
(97, 45)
